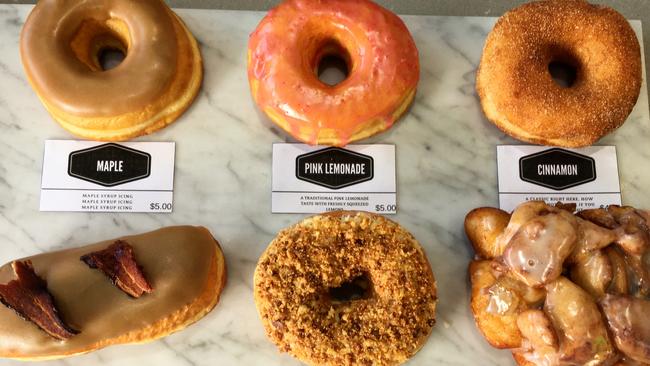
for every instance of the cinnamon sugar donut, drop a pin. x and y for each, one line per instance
(302, 278)
(287, 47)
(515, 85)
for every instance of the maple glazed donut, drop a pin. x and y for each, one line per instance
(346, 288)
(518, 93)
(61, 45)
(286, 49)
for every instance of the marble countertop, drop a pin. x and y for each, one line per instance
(446, 158)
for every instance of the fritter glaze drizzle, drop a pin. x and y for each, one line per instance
(559, 288)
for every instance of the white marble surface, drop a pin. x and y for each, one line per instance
(446, 166)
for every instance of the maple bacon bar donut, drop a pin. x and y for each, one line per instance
(133, 289)
(60, 47)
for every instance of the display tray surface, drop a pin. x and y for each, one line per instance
(446, 166)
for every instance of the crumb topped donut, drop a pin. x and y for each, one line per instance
(518, 93)
(346, 288)
(286, 49)
(61, 44)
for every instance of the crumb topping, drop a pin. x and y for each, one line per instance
(301, 265)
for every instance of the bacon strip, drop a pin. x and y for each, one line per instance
(118, 263)
(28, 296)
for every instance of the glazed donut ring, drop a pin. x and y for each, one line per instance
(157, 80)
(284, 53)
(296, 275)
(518, 93)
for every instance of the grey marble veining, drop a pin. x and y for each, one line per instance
(446, 157)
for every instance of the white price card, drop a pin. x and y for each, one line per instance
(587, 177)
(87, 176)
(316, 179)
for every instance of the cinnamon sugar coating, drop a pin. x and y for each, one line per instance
(304, 262)
(518, 93)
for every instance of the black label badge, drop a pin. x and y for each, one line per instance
(334, 168)
(557, 169)
(109, 164)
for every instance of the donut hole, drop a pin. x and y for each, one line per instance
(563, 72)
(332, 70)
(109, 58)
(333, 63)
(358, 288)
(101, 45)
